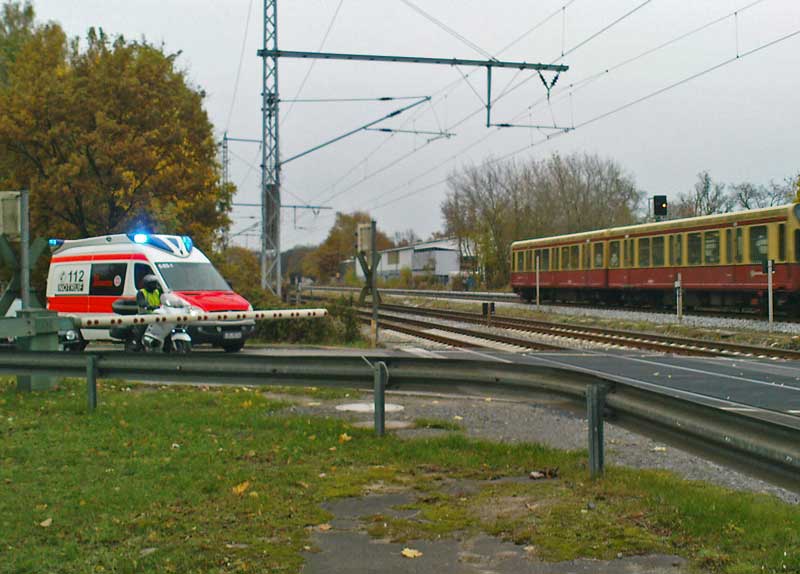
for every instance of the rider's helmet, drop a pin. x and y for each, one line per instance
(150, 282)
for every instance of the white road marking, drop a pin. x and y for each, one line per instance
(713, 374)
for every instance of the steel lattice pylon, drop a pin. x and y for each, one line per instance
(270, 160)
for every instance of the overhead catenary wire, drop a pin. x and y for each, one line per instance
(466, 41)
(442, 94)
(575, 86)
(313, 62)
(239, 67)
(572, 49)
(614, 111)
(480, 110)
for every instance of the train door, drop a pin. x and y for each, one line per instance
(598, 276)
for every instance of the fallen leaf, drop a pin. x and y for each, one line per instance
(344, 437)
(333, 448)
(146, 552)
(240, 489)
(458, 418)
(175, 445)
(247, 404)
(313, 404)
(411, 553)
(324, 527)
(312, 437)
(659, 449)
(254, 494)
(42, 506)
(46, 523)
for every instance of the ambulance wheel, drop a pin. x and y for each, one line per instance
(233, 347)
(181, 347)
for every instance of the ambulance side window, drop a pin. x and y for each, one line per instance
(139, 271)
(107, 278)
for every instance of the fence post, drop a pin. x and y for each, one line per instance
(91, 382)
(381, 376)
(595, 401)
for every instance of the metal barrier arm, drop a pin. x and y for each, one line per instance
(768, 448)
(122, 320)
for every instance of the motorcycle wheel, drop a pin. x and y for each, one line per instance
(181, 347)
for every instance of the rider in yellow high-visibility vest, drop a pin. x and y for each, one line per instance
(148, 298)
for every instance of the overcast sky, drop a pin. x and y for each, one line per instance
(740, 122)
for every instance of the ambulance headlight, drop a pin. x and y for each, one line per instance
(140, 238)
(71, 335)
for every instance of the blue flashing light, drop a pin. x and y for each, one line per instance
(55, 242)
(188, 243)
(140, 238)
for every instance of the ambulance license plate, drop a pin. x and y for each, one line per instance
(232, 335)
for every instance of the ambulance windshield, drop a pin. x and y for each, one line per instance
(192, 277)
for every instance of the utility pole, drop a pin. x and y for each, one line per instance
(270, 158)
(225, 179)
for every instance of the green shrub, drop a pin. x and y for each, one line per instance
(339, 327)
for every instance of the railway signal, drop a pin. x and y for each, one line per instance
(660, 205)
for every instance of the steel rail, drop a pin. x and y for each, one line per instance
(636, 339)
(768, 448)
(393, 322)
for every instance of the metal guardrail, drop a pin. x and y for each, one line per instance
(429, 293)
(768, 448)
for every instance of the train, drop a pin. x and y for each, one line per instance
(721, 261)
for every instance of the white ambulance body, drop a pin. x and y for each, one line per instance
(87, 275)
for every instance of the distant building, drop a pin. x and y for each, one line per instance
(441, 259)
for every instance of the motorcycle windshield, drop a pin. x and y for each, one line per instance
(186, 276)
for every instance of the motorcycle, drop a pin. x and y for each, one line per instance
(157, 337)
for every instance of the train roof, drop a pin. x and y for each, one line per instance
(667, 225)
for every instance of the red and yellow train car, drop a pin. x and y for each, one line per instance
(719, 258)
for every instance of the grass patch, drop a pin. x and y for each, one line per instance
(320, 393)
(423, 423)
(218, 479)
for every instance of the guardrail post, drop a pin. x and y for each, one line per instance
(595, 402)
(91, 382)
(381, 376)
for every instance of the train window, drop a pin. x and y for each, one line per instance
(528, 262)
(644, 252)
(758, 243)
(598, 255)
(587, 256)
(797, 245)
(613, 254)
(544, 262)
(676, 249)
(629, 253)
(564, 258)
(694, 244)
(729, 246)
(658, 251)
(781, 242)
(711, 244)
(556, 262)
(575, 257)
(738, 246)
(518, 261)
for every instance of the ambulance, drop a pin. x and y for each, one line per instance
(86, 276)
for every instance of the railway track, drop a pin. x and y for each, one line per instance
(620, 338)
(425, 330)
